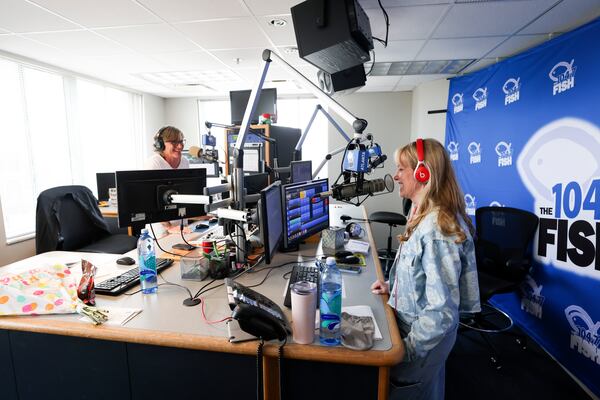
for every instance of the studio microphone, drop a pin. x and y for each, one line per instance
(197, 152)
(348, 191)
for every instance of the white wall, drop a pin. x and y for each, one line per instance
(16, 251)
(183, 114)
(389, 118)
(426, 97)
(154, 119)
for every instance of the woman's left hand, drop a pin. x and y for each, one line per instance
(379, 287)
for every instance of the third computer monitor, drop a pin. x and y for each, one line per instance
(271, 219)
(304, 211)
(300, 171)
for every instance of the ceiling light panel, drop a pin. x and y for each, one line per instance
(428, 67)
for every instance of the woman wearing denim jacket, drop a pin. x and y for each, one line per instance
(434, 276)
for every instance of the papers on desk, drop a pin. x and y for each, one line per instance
(364, 311)
(357, 246)
(117, 316)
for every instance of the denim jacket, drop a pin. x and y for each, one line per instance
(432, 280)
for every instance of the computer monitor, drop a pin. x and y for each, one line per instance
(304, 212)
(143, 195)
(300, 171)
(104, 181)
(270, 218)
(266, 104)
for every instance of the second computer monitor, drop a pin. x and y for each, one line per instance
(144, 196)
(304, 211)
(300, 171)
(271, 219)
(104, 181)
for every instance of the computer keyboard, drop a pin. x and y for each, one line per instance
(119, 284)
(301, 273)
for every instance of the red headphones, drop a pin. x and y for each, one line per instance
(421, 171)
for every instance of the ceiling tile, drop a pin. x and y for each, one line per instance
(195, 60)
(271, 7)
(404, 88)
(404, 50)
(389, 81)
(226, 34)
(83, 43)
(240, 58)
(406, 22)
(489, 18)
(95, 14)
(517, 44)
(19, 16)
(454, 49)
(29, 48)
(158, 38)
(279, 35)
(418, 79)
(367, 4)
(565, 16)
(195, 10)
(125, 63)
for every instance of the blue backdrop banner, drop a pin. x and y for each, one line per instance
(525, 133)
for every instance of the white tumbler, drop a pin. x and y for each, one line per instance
(304, 306)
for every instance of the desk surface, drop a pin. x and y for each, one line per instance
(165, 321)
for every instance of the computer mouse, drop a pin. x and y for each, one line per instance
(212, 220)
(201, 226)
(125, 261)
(342, 254)
(350, 260)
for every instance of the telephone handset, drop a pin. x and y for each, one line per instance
(256, 314)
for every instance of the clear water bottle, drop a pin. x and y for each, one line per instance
(330, 304)
(147, 263)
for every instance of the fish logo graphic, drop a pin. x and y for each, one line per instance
(474, 150)
(480, 94)
(511, 86)
(532, 300)
(573, 141)
(562, 70)
(471, 204)
(503, 149)
(585, 333)
(457, 102)
(453, 150)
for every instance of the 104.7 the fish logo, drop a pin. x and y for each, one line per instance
(566, 193)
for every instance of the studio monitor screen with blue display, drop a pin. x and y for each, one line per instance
(304, 211)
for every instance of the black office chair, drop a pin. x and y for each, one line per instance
(68, 218)
(502, 245)
(392, 219)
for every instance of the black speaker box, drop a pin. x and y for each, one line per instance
(333, 35)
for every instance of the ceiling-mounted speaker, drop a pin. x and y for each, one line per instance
(341, 82)
(332, 35)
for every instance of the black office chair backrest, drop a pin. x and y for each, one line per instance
(68, 218)
(503, 241)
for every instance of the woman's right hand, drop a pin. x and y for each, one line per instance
(379, 287)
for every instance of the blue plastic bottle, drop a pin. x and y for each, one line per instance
(147, 263)
(330, 304)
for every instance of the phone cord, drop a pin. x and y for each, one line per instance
(259, 367)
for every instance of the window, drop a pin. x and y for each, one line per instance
(58, 131)
(293, 113)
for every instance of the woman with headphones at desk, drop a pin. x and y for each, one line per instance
(168, 146)
(434, 276)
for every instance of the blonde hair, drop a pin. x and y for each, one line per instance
(441, 193)
(167, 134)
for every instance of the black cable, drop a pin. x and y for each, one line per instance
(280, 362)
(199, 292)
(387, 23)
(174, 284)
(372, 65)
(158, 244)
(259, 374)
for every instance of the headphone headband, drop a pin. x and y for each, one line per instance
(421, 171)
